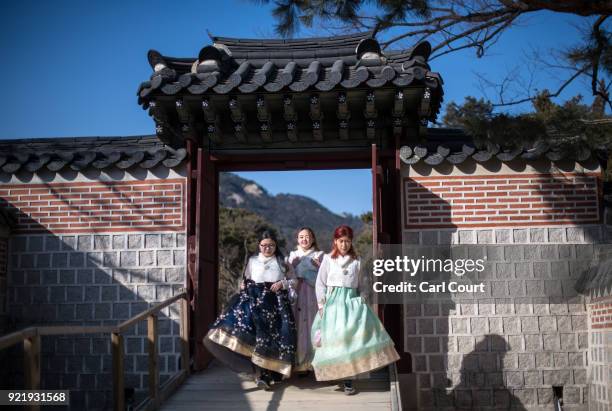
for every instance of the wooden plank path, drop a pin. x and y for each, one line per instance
(218, 388)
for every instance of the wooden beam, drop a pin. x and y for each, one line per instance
(316, 115)
(17, 337)
(290, 117)
(118, 377)
(371, 114)
(153, 310)
(184, 324)
(238, 117)
(31, 364)
(344, 116)
(265, 119)
(212, 121)
(153, 359)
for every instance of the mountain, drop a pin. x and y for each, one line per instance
(288, 212)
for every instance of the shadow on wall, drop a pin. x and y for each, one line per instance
(489, 350)
(94, 279)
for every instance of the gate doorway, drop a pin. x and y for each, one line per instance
(203, 222)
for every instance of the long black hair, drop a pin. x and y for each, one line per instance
(312, 235)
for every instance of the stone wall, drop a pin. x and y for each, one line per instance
(95, 250)
(600, 354)
(528, 333)
(539, 228)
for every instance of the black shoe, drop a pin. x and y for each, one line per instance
(263, 383)
(348, 388)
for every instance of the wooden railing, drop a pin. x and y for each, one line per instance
(31, 339)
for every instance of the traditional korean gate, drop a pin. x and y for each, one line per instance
(306, 104)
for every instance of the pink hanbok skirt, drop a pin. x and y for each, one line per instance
(304, 312)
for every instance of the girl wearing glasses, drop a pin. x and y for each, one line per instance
(305, 260)
(259, 324)
(348, 337)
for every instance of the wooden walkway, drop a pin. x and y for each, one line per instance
(218, 388)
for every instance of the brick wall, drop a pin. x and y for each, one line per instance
(117, 206)
(96, 253)
(501, 200)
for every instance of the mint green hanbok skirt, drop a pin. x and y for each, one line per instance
(353, 340)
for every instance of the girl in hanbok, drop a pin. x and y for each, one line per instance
(305, 260)
(258, 325)
(348, 337)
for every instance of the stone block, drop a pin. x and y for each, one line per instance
(110, 259)
(514, 378)
(68, 243)
(412, 345)
(495, 253)
(43, 260)
(425, 326)
(526, 361)
(552, 342)
(479, 326)
(557, 377)
(535, 288)
(484, 237)
(146, 292)
(512, 325)
(467, 237)
(179, 257)
(576, 359)
(152, 241)
(35, 243)
(545, 396)
(127, 293)
(129, 259)
(579, 322)
(92, 293)
(52, 243)
(522, 270)
(529, 325)
(513, 253)
(109, 293)
(58, 260)
(175, 275)
(102, 276)
(547, 324)
(84, 243)
(541, 270)
(164, 258)
(496, 325)
(146, 258)
(556, 235)
(503, 236)
(135, 241)
(574, 234)
(533, 342)
(84, 311)
(102, 242)
(459, 325)
(465, 344)
(74, 293)
(532, 378)
(84, 276)
(121, 311)
(538, 235)
(568, 342)
(580, 377)
(118, 242)
(520, 235)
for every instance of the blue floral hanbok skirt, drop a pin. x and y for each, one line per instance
(256, 326)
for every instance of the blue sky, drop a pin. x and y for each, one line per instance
(71, 68)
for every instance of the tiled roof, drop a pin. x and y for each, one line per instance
(242, 66)
(454, 147)
(79, 153)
